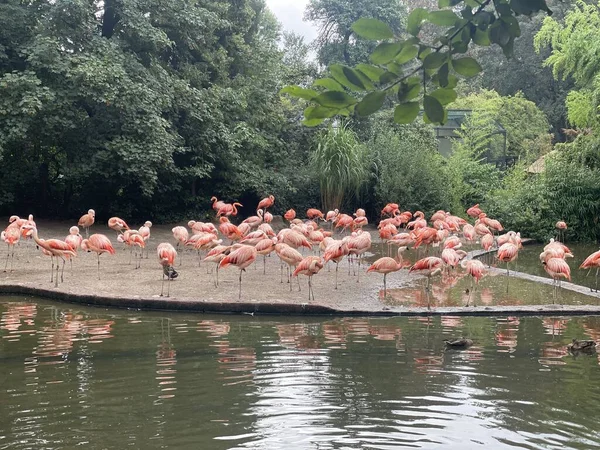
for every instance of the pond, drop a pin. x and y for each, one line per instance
(114, 378)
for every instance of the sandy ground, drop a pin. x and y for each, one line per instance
(119, 277)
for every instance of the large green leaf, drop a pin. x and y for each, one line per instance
(385, 52)
(373, 72)
(334, 99)
(372, 29)
(443, 18)
(434, 60)
(346, 77)
(433, 108)
(408, 52)
(444, 95)
(299, 92)
(312, 122)
(481, 37)
(372, 102)
(406, 112)
(329, 83)
(467, 67)
(415, 19)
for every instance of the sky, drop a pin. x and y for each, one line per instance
(290, 13)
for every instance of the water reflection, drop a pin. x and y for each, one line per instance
(71, 376)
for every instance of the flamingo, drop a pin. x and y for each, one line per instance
(255, 221)
(591, 261)
(268, 217)
(561, 226)
(265, 247)
(241, 257)
(229, 230)
(387, 265)
(289, 215)
(476, 269)
(335, 252)
(216, 255)
(57, 249)
(357, 245)
(217, 204)
(313, 213)
(390, 209)
(145, 233)
(74, 240)
(228, 209)
(11, 236)
(291, 257)
(557, 268)
(98, 243)
(508, 253)
(166, 258)
(266, 203)
(181, 235)
(309, 266)
(474, 211)
(429, 266)
(87, 220)
(117, 224)
(343, 221)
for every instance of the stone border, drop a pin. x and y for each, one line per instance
(195, 305)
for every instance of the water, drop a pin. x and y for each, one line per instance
(114, 379)
(529, 262)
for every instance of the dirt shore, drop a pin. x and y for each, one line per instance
(122, 285)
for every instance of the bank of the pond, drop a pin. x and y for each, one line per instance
(121, 285)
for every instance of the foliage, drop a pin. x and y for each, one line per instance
(408, 169)
(143, 109)
(335, 41)
(414, 71)
(521, 118)
(340, 165)
(575, 46)
(469, 176)
(524, 71)
(522, 205)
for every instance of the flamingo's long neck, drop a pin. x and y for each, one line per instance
(37, 240)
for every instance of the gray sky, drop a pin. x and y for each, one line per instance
(290, 13)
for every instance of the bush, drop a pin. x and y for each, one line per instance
(408, 169)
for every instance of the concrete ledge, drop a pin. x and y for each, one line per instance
(197, 305)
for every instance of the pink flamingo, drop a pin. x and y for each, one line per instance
(266, 203)
(166, 258)
(241, 257)
(11, 236)
(387, 265)
(57, 248)
(87, 220)
(309, 266)
(98, 243)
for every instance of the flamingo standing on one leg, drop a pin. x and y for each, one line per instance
(429, 266)
(117, 224)
(241, 257)
(508, 253)
(561, 226)
(387, 265)
(87, 220)
(309, 266)
(181, 234)
(476, 269)
(266, 203)
(74, 239)
(265, 247)
(166, 258)
(58, 249)
(145, 233)
(335, 252)
(289, 215)
(98, 243)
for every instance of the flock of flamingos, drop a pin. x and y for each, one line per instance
(254, 236)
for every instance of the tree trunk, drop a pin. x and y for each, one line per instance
(110, 19)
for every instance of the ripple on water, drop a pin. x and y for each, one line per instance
(74, 376)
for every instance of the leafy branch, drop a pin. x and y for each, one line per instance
(400, 67)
